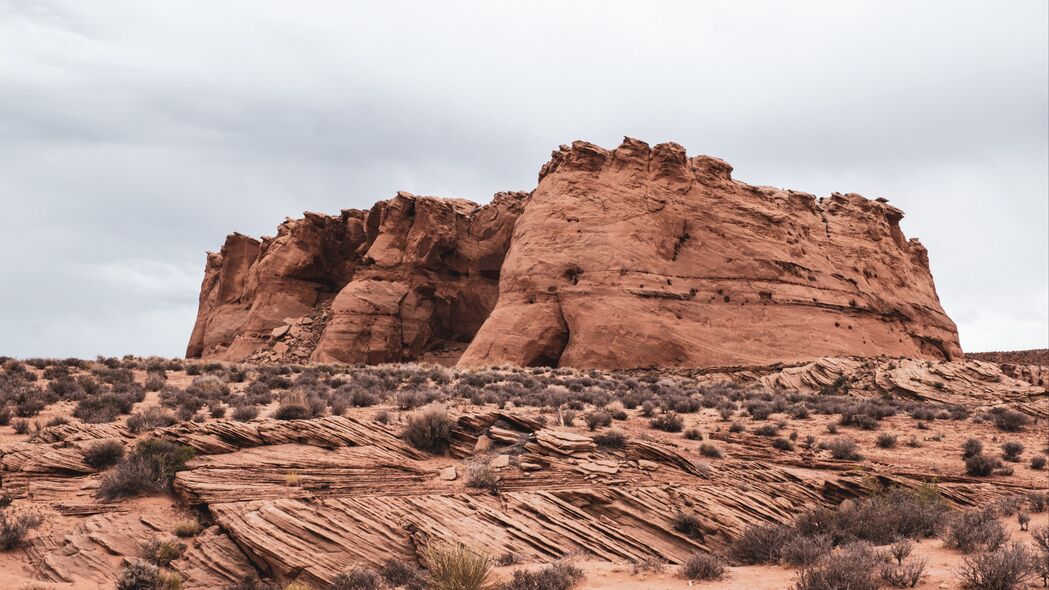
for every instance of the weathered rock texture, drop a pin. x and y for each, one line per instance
(633, 257)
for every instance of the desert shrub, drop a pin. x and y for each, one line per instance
(29, 408)
(1038, 501)
(708, 449)
(14, 527)
(688, 524)
(104, 453)
(886, 440)
(903, 575)
(971, 447)
(559, 576)
(429, 429)
(762, 544)
(855, 567)
(456, 567)
(843, 449)
(398, 573)
(162, 551)
(1012, 450)
(803, 551)
(5, 416)
(879, 519)
(1004, 568)
(356, 579)
(735, 427)
(1023, 519)
(20, 426)
(150, 418)
(782, 444)
(103, 408)
(149, 468)
(595, 420)
(981, 465)
(292, 410)
(245, 413)
(1038, 462)
(767, 430)
(481, 475)
(901, 550)
(703, 566)
(974, 530)
(1010, 421)
(667, 422)
(610, 439)
(139, 575)
(217, 410)
(693, 434)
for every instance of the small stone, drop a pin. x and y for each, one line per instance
(483, 444)
(305, 321)
(280, 348)
(646, 465)
(279, 331)
(500, 462)
(531, 466)
(448, 473)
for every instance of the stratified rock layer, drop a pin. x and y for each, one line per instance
(633, 257)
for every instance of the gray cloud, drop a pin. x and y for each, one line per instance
(135, 134)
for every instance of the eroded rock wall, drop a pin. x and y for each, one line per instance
(385, 285)
(633, 257)
(642, 256)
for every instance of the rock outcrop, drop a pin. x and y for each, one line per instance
(633, 257)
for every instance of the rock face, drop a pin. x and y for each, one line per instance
(633, 257)
(412, 275)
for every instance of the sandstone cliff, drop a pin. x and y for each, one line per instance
(638, 256)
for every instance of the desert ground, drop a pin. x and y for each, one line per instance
(156, 473)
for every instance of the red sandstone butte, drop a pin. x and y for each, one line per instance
(633, 257)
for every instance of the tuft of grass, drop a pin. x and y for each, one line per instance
(457, 567)
(703, 566)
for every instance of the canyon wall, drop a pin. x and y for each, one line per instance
(633, 257)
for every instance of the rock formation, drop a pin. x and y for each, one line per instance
(633, 257)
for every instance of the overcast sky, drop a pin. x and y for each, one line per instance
(134, 135)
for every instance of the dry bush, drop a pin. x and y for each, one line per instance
(903, 574)
(398, 573)
(762, 544)
(667, 422)
(1004, 568)
(14, 527)
(356, 579)
(854, 567)
(457, 567)
(1010, 420)
(595, 420)
(245, 413)
(703, 566)
(844, 449)
(971, 447)
(559, 576)
(185, 528)
(139, 575)
(804, 551)
(149, 468)
(429, 429)
(975, 530)
(104, 453)
(708, 449)
(162, 551)
(688, 524)
(980, 465)
(481, 475)
(610, 439)
(1012, 450)
(150, 418)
